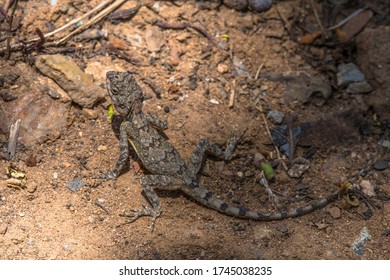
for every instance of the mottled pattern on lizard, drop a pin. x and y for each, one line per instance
(167, 169)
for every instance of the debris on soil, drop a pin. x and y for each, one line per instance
(75, 184)
(360, 242)
(381, 165)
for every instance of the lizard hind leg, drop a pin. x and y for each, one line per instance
(205, 147)
(149, 183)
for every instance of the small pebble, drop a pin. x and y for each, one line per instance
(102, 148)
(349, 73)
(335, 212)
(31, 160)
(275, 116)
(75, 184)
(381, 165)
(166, 109)
(214, 101)
(367, 188)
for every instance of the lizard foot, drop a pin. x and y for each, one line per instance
(135, 214)
(110, 175)
(231, 145)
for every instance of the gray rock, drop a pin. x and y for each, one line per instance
(301, 86)
(70, 78)
(349, 73)
(275, 116)
(359, 87)
(381, 165)
(75, 184)
(41, 115)
(260, 5)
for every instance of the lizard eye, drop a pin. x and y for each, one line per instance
(114, 91)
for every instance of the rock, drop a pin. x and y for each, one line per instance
(349, 73)
(222, 68)
(70, 78)
(275, 116)
(301, 86)
(381, 165)
(75, 184)
(385, 144)
(335, 212)
(260, 5)
(49, 87)
(239, 5)
(102, 148)
(31, 160)
(90, 114)
(372, 46)
(41, 115)
(154, 38)
(367, 188)
(359, 87)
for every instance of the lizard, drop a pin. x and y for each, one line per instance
(168, 171)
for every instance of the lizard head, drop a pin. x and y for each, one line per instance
(124, 91)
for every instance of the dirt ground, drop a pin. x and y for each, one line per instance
(196, 79)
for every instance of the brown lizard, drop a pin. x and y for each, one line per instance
(167, 169)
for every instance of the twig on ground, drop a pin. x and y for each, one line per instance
(179, 26)
(11, 20)
(323, 31)
(13, 138)
(233, 94)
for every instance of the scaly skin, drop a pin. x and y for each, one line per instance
(164, 163)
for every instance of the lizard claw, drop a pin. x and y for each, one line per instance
(232, 143)
(135, 214)
(110, 175)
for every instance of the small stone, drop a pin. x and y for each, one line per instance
(214, 101)
(75, 184)
(31, 160)
(385, 144)
(359, 87)
(381, 165)
(91, 219)
(239, 5)
(260, 5)
(90, 114)
(258, 158)
(349, 73)
(193, 83)
(102, 148)
(166, 109)
(335, 212)
(55, 175)
(32, 187)
(239, 174)
(367, 187)
(275, 116)
(222, 68)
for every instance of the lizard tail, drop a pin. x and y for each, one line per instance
(208, 199)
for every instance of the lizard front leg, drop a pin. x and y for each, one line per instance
(149, 183)
(123, 153)
(156, 122)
